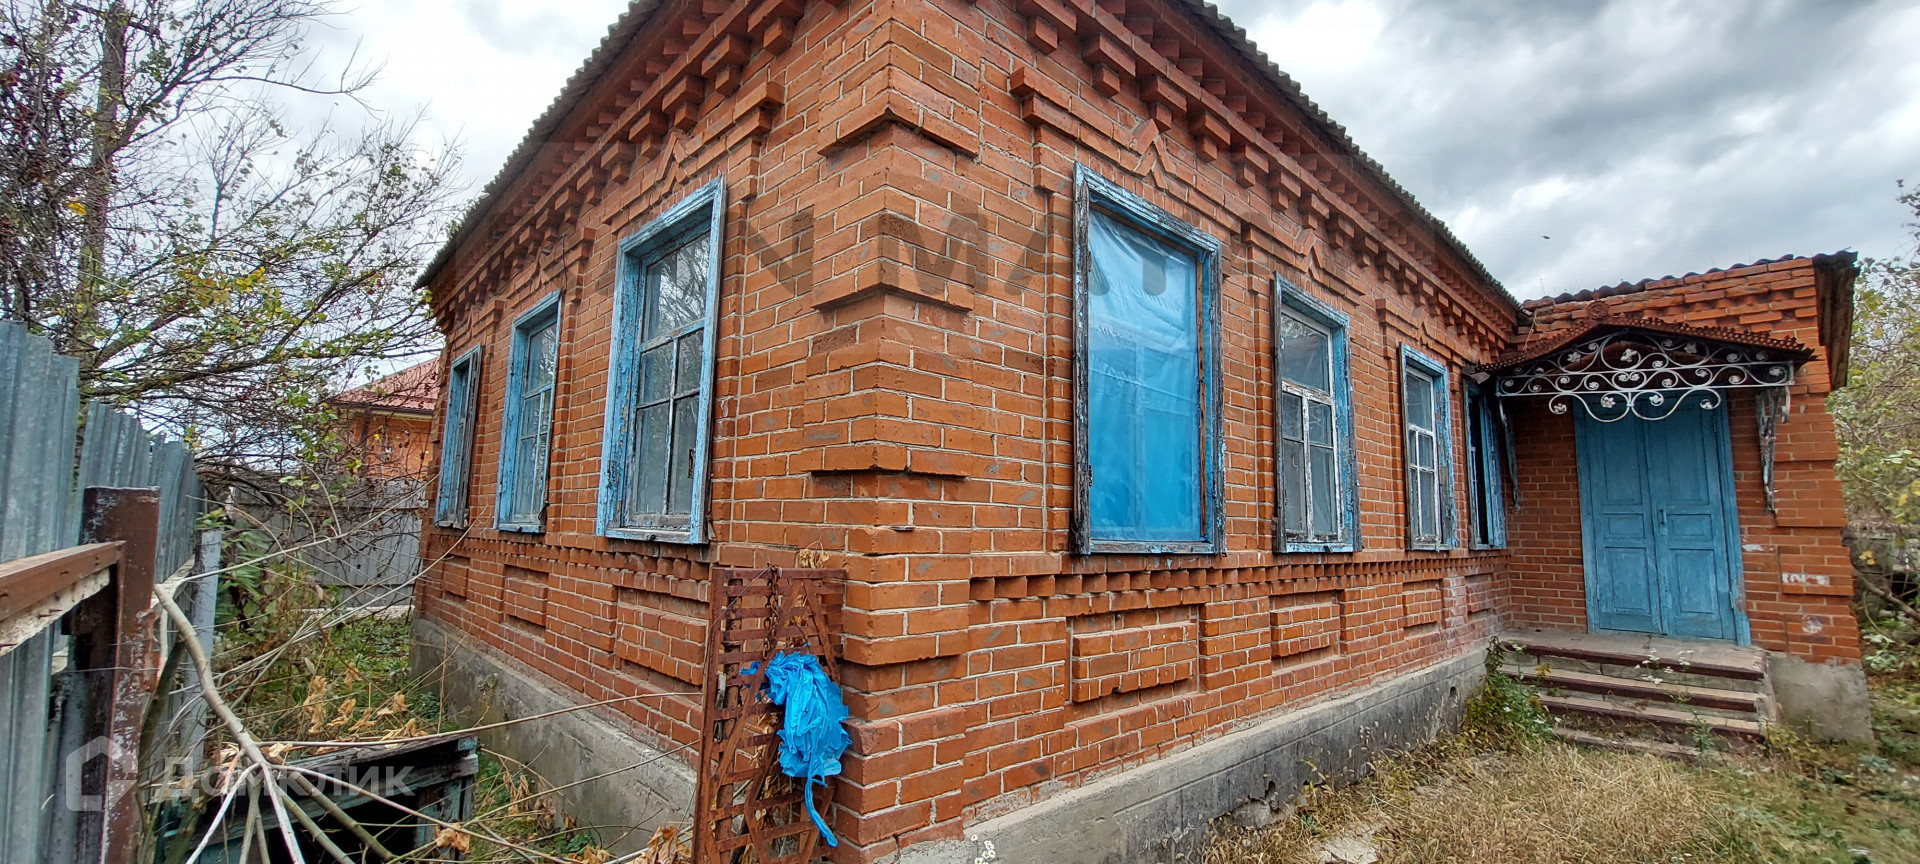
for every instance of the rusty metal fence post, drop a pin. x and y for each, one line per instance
(113, 650)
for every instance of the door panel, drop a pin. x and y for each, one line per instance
(1658, 536)
(1694, 539)
(1619, 533)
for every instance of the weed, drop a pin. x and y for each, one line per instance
(1505, 712)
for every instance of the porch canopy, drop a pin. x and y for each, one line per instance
(1613, 368)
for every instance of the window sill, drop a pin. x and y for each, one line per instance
(522, 528)
(1141, 547)
(1430, 547)
(1490, 547)
(654, 535)
(1291, 548)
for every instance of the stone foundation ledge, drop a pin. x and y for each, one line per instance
(479, 687)
(1163, 812)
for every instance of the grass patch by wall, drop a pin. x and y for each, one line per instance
(1503, 792)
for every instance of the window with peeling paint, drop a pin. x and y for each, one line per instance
(527, 419)
(1148, 442)
(1314, 425)
(654, 461)
(456, 440)
(1427, 451)
(1484, 490)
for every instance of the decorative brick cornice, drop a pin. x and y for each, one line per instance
(1258, 136)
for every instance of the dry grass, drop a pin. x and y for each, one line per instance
(1501, 793)
(1544, 803)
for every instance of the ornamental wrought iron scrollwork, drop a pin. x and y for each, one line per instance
(1771, 408)
(1646, 375)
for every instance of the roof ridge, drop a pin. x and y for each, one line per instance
(1604, 291)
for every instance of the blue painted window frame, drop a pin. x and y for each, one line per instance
(703, 210)
(1486, 488)
(545, 311)
(1291, 299)
(451, 499)
(1448, 527)
(1092, 191)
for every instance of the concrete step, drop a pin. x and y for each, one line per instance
(1740, 703)
(1663, 749)
(1677, 719)
(1713, 665)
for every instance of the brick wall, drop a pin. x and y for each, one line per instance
(1797, 574)
(893, 389)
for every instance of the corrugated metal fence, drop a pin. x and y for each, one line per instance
(39, 410)
(39, 513)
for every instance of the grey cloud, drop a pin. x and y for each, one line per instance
(517, 28)
(1679, 136)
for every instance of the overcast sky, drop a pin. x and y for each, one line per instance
(1569, 144)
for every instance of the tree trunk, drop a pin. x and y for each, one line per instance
(83, 331)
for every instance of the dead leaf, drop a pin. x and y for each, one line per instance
(395, 705)
(315, 705)
(453, 838)
(667, 846)
(592, 855)
(345, 716)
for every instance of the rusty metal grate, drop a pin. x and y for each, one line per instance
(747, 811)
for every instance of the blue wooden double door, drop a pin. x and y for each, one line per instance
(1660, 527)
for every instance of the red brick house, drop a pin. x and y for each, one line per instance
(1171, 451)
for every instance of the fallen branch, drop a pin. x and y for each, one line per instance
(239, 730)
(461, 733)
(375, 796)
(1887, 595)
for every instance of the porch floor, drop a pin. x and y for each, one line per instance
(1720, 659)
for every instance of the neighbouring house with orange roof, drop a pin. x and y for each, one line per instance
(385, 431)
(1166, 453)
(386, 424)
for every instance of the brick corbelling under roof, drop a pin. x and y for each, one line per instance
(605, 56)
(1591, 294)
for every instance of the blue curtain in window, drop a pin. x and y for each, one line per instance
(1144, 390)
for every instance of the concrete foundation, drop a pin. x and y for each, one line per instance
(480, 687)
(1823, 701)
(1163, 812)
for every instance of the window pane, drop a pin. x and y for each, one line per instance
(1416, 506)
(1293, 487)
(1290, 405)
(1320, 423)
(1423, 456)
(647, 482)
(535, 478)
(687, 378)
(1429, 508)
(1419, 390)
(529, 478)
(680, 472)
(677, 287)
(1305, 354)
(1324, 475)
(656, 373)
(1143, 395)
(543, 352)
